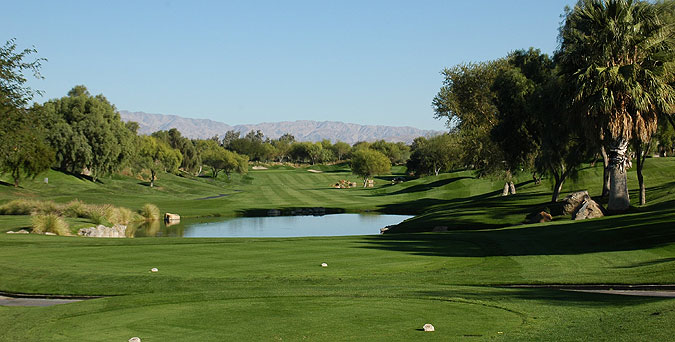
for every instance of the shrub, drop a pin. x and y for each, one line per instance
(121, 215)
(18, 207)
(150, 212)
(76, 208)
(51, 222)
(97, 214)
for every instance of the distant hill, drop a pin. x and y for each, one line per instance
(303, 130)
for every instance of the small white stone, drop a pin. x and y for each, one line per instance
(135, 339)
(428, 327)
(154, 269)
(324, 265)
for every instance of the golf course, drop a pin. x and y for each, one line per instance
(489, 277)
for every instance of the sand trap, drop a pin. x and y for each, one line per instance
(315, 171)
(259, 168)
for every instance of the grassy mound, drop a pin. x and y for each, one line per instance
(375, 288)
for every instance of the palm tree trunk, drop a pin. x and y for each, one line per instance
(605, 172)
(618, 180)
(641, 156)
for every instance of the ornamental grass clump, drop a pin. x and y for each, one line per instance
(97, 214)
(150, 212)
(50, 223)
(76, 208)
(27, 207)
(121, 215)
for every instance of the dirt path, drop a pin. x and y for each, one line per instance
(22, 299)
(667, 291)
(10, 301)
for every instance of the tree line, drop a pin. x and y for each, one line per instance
(607, 92)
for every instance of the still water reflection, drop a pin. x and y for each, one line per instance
(277, 226)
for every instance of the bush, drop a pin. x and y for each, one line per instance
(150, 212)
(27, 207)
(17, 207)
(76, 208)
(121, 215)
(52, 223)
(97, 214)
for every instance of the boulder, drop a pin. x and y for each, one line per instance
(428, 327)
(505, 192)
(573, 201)
(324, 264)
(589, 209)
(541, 217)
(135, 339)
(171, 217)
(386, 228)
(116, 231)
(154, 270)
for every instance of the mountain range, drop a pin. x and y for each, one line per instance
(302, 130)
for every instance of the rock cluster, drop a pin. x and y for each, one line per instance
(317, 211)
(168, 217)
(581, 206)
(541, 217)
(22, 231)
(116, 231)
(344, 184)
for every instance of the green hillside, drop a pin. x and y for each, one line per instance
(376, 288)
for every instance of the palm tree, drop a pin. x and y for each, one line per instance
(616, 57)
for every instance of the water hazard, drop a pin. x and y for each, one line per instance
(279, 226)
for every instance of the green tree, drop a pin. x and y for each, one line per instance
(466, 101)
(156, 155)
(86, 133)
(435, 155)
(220, 159)
(23, 152)
(367, 163)
(615, 57)
(341, 149)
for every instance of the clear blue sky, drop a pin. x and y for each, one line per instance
(366, 62)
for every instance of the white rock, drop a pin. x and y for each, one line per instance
(428, 327)
(324, 265)
(154, 269)
(135, 339)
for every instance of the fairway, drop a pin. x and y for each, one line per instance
(375, 288)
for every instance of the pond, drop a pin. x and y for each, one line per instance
(278, 226)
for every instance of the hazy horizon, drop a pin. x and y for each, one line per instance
(374, 63)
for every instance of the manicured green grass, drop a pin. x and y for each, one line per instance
(375, 288)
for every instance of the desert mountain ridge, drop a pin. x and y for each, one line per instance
(303, 130)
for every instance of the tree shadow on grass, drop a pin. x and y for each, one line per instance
(7, 184)
(548, 296)
(81, 176)
(618, 233)
(427, 186)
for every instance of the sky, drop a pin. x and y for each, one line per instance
(246, 62)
